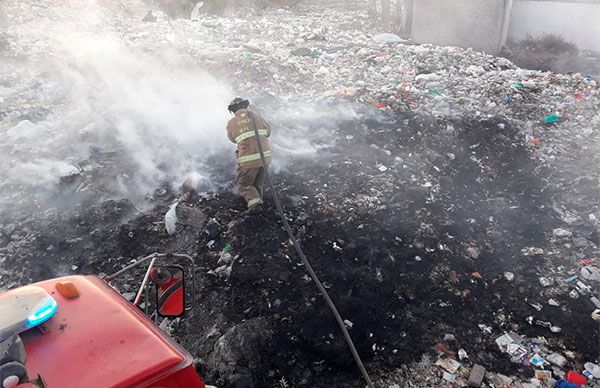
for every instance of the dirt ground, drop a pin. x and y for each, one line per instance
(409, 254)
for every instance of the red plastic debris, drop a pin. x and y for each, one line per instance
(444, 349)
(379, 104)
(578, 96)
(536, 141)
(586, 262)
(576, 378)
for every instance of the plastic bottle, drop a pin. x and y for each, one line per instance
(593, 368)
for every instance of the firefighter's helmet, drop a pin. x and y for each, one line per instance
(237, 104)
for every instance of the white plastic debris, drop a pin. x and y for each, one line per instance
(553, 302)
(557, 359)
(590, 273)
(171, 219)
(387, 38)
(560, 232)
(485, 328)
(545, 282)
(509, 276)
(593, 368)
(348, 323)
(196, 14)
(448, 364)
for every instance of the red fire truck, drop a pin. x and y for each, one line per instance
(79, 332)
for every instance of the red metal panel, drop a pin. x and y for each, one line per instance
(181, 379)
(100, 340)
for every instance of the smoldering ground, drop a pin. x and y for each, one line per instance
(410, 220)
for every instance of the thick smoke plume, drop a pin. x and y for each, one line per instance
(159, 111)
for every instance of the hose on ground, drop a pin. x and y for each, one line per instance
(309, 268)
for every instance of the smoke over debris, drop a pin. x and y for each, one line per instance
(447, 198)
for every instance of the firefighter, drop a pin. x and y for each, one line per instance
(251, 172)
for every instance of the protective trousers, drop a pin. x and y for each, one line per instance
(250, 182)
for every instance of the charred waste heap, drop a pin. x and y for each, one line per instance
(448, 199)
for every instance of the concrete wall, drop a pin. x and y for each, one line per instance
(577, 21)
(466, 23)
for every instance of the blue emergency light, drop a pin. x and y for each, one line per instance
(24, 308)
(44, 312)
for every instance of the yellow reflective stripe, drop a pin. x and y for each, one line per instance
(253, 157)
(254, 201)
(249, 134)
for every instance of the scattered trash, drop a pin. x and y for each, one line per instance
(543, 375)
(594, 369)
(537, 360)
(449, 364)
(476, 376)
(509, 276)
(590, 273)
(387, 38)
(449, 377)
(576, 378)
(171, 219)
(551, 119)
(565, 384)
(444, 349)
(485, 328)
(560, 232)
(557, 359)
(532, 251)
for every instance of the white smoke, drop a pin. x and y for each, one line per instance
(153, 105)
(158, 109)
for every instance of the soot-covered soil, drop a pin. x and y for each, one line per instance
(410, 223)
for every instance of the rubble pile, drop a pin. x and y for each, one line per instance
(447, 214)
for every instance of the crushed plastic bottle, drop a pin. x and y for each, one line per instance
(593, 368)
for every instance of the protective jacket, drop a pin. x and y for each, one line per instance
(240, 130)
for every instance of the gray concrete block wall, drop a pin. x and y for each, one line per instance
(465, 23)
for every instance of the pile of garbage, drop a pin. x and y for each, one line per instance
(440, 202)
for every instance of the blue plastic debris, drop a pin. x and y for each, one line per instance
(565, 384)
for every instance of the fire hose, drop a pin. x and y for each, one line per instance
(309, 268)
